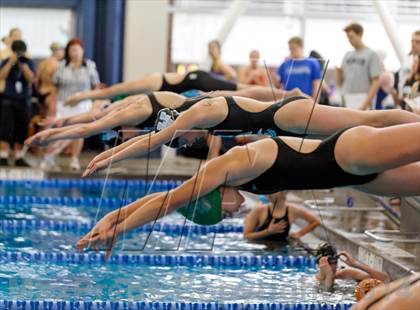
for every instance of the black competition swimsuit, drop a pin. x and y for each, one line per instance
(280, 236)
(156, 107)
(293, 170)
(200, 80)
(239, 121)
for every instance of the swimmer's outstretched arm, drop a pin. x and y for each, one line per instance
(195, 117)
(217, 172)
(130, 115)
(125, 88)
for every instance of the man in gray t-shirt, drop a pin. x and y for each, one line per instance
(360, 69)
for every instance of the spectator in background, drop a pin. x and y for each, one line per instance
(218, 67)
(411, 100)
(253, 74)
(14, 35)
(359, 72)
(47, 91)
(299, 71)
(323, 96)
(386, 85)
(406, 68)
(74, 74)
(19, 73)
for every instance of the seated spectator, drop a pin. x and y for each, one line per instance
(272, 222)
(299, 71)
(328, 260)
(218, 67)
(253, 74)
(19, 73)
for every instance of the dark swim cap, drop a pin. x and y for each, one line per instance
(164, 119)
(206, 210)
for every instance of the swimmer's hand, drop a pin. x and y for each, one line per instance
(103, 234)
(349, 259)
(294, 236)
(95, 165)
(276, 228)
(73, 100)
(47, 122)
(40, 139)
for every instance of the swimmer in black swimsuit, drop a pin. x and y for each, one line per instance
(272, 222)
(179, 83)
(234, 116)
(139, 112)
(384, 161)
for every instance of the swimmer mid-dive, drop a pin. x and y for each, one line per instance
(140, 112)
(382, 161)
(179, 83)
(236, 116)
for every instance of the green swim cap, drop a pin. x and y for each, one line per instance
(206, 210)
(119, 97)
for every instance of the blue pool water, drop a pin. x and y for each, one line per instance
(58, 280)
(163, 283)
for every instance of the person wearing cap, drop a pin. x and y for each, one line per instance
(329, 271)
(46, 89)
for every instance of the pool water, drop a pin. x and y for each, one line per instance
(164, 283)
(144, 243)
(33, 280)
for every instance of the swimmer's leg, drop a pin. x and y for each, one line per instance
(401, 181)
(363, 150)
(326, 120)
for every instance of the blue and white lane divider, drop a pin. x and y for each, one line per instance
(64, 201)
(161, 260)
(143, 305)
(76, 226)
(157, 185)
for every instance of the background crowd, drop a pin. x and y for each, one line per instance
(32, 91)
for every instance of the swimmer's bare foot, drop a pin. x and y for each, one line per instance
(324, 267)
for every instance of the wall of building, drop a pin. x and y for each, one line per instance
(146, 35)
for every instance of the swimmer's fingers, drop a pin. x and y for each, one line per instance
(31, 140)
(88, 240)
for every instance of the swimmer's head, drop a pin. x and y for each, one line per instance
(327, 250)
(232, 200)
(365, 286)
(279, 197)
(166, 117)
